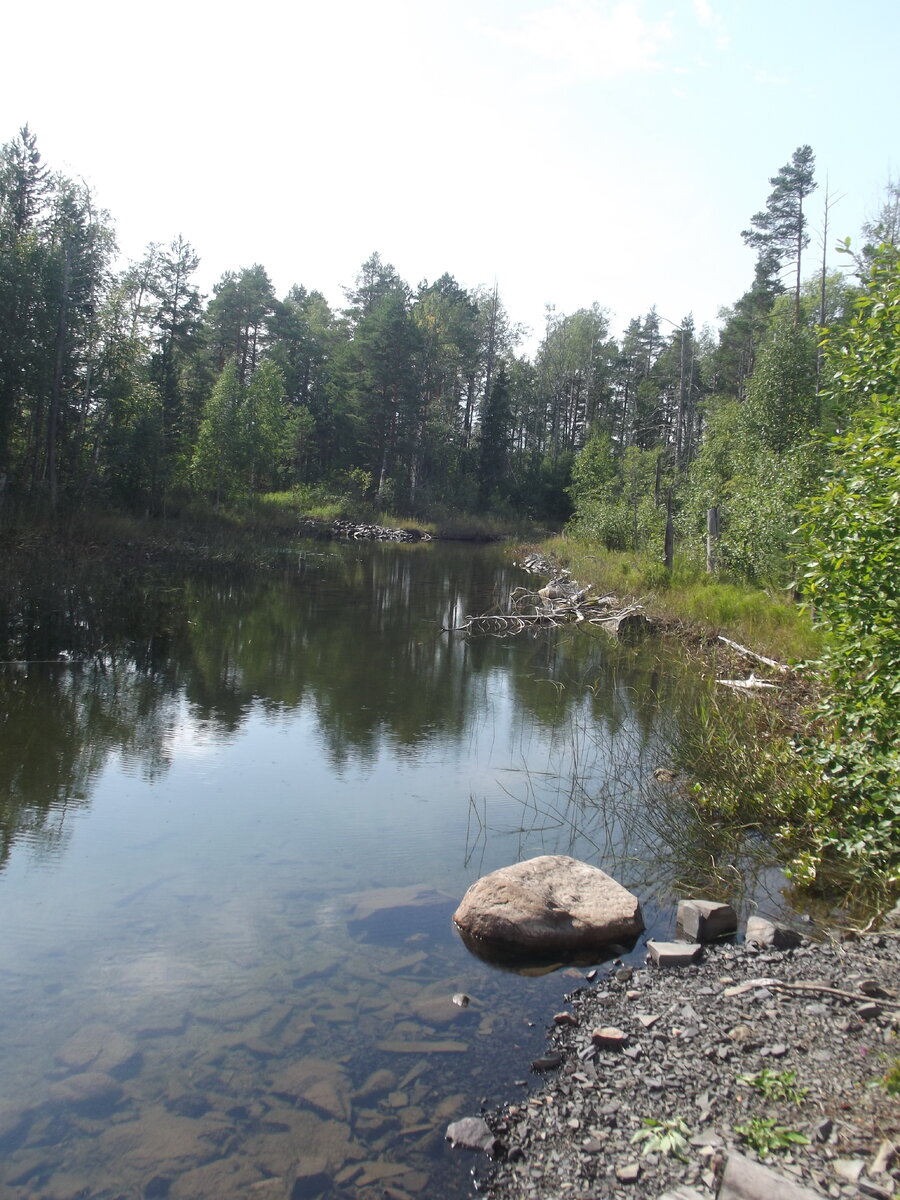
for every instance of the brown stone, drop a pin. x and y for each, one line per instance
(548, 903)
(98, 1047)
(321, 1085)
(89, 1087)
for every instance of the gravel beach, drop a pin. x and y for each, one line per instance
(705, 1056)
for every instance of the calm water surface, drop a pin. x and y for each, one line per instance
(236, 815)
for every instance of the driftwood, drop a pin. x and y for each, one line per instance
(559, 603)
(760, 658)
(819, 988)
(748, 685)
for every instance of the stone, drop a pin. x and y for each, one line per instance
(869, 1011)
(629, 1173)
(375, 904)
(876, 1190)
(547, 1062)
(881, 1164)
(849, 1169)
(823, 1130)
(683, 1193)
(765, 933)
(311, 1177)
(98, 1047)
(394, 1046)
(86, 1088)
(378, 1083)
(551, 902)
(609, 1037)
(705, 920)
(674, 954)
(321, 1085)
(744, 1179)
(12, 1119)
(472, 1133)
(565, 1018)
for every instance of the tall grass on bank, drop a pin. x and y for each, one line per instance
(766, 619)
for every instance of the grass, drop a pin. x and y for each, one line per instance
(764, 618)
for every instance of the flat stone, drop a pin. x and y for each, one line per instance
(705, 920)
(674, 954)
(565, 1018)
(849, 1169)
(744, 1179)
(887, 1152)
(393, 1046)
(315, 1082)
(379, 901)
(647, 1019)
(311, 1177)
(89, 1087)
(766, 933)
(548, 903)
(472, 1133)
(629, 1173)
(99, 1047)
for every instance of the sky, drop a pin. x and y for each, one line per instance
(572, 151)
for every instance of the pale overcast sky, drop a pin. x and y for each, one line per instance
(573, 150)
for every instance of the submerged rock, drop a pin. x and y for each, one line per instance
(552, 902)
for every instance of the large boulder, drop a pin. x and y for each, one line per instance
(549, 903)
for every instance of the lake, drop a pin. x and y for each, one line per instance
(238, 809)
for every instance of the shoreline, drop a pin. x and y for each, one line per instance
(691, 1048)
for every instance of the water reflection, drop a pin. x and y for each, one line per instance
(237, 812)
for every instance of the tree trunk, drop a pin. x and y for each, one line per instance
(712, 538)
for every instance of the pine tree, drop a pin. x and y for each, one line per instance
(779, 233)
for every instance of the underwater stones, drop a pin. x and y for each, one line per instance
(319, 1084)
(87, 1089)
(552, 902)
(377, 1084)
(375, 904)
(99, 1047)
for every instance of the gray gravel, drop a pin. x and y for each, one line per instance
(689, 1040)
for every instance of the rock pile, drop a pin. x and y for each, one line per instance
(361, 531)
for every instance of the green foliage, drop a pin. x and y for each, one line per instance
(776, 1085)
(669, 1136)
(763, 1135)
(892, 1079)
(781, 406)
(615, 504)
(852, 534)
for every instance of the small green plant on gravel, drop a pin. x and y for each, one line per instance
(763, 1135)
(663, 1137)
(776, 1085)
(892, 1079)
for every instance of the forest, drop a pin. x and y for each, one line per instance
(768, 451)
(128, 388)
